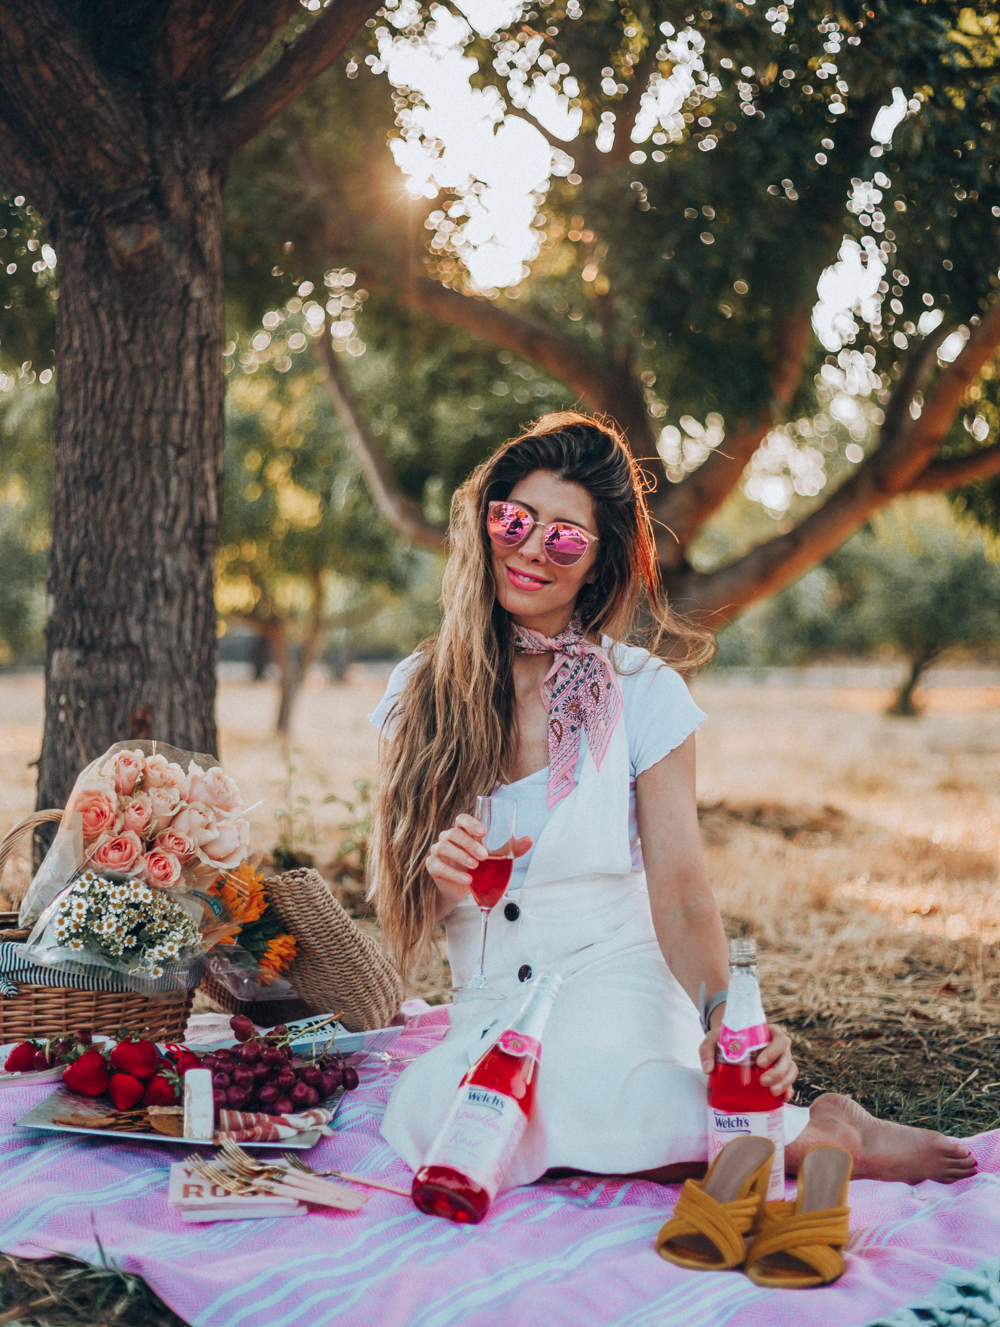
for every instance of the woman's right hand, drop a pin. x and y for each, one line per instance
(457, 852)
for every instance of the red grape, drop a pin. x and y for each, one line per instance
(311, 1075)
(328, 1083)
(243, 1077)
(219, 1097)
(85, 1035)
(237, 1097)
(313, 1098)
(220, 1080)
(272, 1055)
(243, 1028)
(209, 1061)
(351, 1079)
(250, 1053)
(261, 1072)
(286, 1079)
(280, 1031)
(41, 1060)
(268, 1094)
(300, 1093)
(284, 1106)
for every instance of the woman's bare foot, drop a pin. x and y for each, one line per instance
(881, 1150)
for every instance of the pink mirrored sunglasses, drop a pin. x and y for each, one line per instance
(509, 525)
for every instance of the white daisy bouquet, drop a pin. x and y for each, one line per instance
(126, 923)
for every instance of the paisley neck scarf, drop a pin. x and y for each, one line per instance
(580, 692)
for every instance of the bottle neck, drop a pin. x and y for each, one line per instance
(534, 1013)
(744, 1008)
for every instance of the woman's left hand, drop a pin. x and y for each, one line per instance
(776, 1058)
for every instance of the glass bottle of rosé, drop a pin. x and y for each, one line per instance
(467, 1160)
(737, 1101)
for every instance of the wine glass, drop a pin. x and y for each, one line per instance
(490, 878)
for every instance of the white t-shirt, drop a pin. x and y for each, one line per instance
(658, 714)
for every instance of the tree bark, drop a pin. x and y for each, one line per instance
(137, 468)
(118, 122)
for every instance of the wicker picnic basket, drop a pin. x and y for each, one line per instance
(53, 1011)
(337, 966)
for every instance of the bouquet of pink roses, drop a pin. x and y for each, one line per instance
(148, 816)
(147, 813)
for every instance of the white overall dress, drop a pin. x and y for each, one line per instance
(619, 1083)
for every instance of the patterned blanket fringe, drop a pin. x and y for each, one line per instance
(961, 1299)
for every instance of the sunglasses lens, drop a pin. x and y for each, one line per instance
(508, 524)
(565, 545)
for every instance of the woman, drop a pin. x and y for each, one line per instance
(528, 691)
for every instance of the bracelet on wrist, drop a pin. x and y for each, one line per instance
(707, 1007)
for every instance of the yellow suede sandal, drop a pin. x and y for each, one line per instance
(801, 1244)
(712, 1216)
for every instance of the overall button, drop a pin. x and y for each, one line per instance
(523, 972)
(512, 912)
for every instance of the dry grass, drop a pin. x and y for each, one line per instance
(860, 851)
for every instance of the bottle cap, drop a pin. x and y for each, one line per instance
(742, 951)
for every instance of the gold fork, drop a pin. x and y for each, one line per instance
(295, 1163)
(244, 1164)
(223, 1179)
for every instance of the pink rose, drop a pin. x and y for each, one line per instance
(116, 852)
(160, 869)
(180, 845)
(197, 822)
(212, 787)
(230, 845)
(97, 810)
(164, 803)
(127, 768)
(163, 773)
(136, 812)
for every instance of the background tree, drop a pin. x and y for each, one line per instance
(913, 584)
(674, 288)
(25, 459)
(117, 126)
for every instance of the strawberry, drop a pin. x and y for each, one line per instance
(21, 1059)
(138, 1058)
(162, 1090)
(125, 1091)
(185, 1061)
(87, 1075)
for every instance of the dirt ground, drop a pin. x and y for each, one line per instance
(861, 851)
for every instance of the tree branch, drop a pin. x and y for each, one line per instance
(944, 475)
(604, 385)
(897, 467)
(683, 508)
(400, 511)
(218, 40)
(245, 114)
(629, 111)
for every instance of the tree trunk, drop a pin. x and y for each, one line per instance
(903, 704)
(131, 641)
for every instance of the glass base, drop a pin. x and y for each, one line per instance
(464, 993)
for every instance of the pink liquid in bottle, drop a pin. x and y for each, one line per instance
(466, 1163)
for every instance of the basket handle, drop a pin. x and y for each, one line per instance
(29, 822)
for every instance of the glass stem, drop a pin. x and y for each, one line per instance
(485, 914)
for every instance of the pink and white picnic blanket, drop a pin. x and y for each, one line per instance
(576, 1253)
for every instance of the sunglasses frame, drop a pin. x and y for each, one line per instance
(552, 525)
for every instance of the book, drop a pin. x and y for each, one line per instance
(196, 1199)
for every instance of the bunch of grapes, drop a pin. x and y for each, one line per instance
(263, 1074)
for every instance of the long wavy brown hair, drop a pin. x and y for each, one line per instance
(453, 731)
